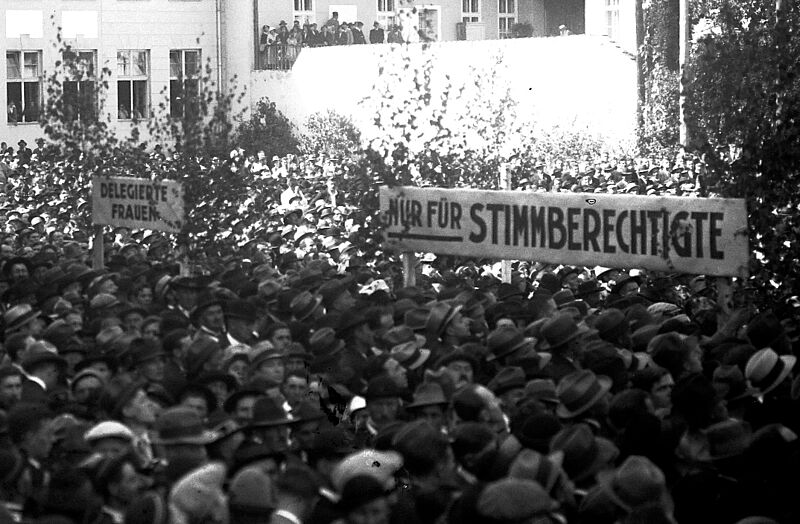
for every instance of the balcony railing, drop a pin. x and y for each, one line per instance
(277, 57)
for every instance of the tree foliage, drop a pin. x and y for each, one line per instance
(743, 99)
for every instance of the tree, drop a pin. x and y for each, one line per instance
(743, 103)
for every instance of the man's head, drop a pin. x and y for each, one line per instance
(140, 409)
(30, 428)
(295, 388)
(117, 480)
(383, 400)
(10, 386)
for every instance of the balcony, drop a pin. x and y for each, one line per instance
(277, 57)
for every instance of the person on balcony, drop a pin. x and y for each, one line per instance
(376, 35)
(264, 40)
(358, 33)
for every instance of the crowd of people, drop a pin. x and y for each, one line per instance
(279, 46)
(303, 382)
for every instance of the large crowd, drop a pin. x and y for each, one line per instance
(308, 384)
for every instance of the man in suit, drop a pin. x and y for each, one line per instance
(297, 492)
(376, 34)
(563, 338)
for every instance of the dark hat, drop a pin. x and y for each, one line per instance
(536, 430)
(383, 387)
(268, 413)
(428, 394)
(304, 305)
(333, 441)
(241, 309)
(637, 482)
(515, 500)
(609, 320)
(584, 454)
(542, 389)
(307, 411)
(402, 334)
(144, 350)
(251, 494)
(210, 377)
(506, 379)
(37, 357)
(416, 318)
(728, 439)
(267, 354)
(764, 329)
(457, 356)
(579, 391)
(181, 425)
(506, 291)
(197, 283)
(331, 290)
(323, 343)
(544, 469)
(205, 301)
(563, 297)
(439, 316)
(624, 279)
(587, 288)
(505, 340)
(560, 330)
(296, 350)
(199, 352)
(549, 282)
(358, 491)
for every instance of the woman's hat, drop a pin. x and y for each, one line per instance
(766, 370)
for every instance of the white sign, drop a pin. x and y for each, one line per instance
(690, 235)
(137, 203)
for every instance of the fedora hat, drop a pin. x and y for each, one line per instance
(324, 343)
(241, 309)
(587, 288)
(542, 389)
(609, 320)
(196, 283)
(205, 301)
(144, 350)
(584, 453)
(230, 403)
(410, 355)
(307, 411)
(36, 357)
(505, 340)
(416, 318)
(428, 394)
(506, 379)
(19, 316)
(563, 297)
(400, 335)
(267, 354)
(182, 425)
(730, 383)
(304, 304)
(728, 438)
(766, 370)
(560, 330)
(624, 279)
(439, 316)
(268, 413)
(579, 391)
(544, 469)
(637, 482)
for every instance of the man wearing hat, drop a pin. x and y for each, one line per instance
(31, 431)
(128, 403)
(209, 319)
(109, 438)
(118, 483)
(430, 404)
(297, 492)
(182, 439)
(383, 406)
(44, 368)
(187, 291)
(562, 337)
(147, 360)
(446, 327)
(240, 320)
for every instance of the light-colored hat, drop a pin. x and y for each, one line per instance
(766, 370)
(108, 429)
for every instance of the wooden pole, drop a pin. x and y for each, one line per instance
(98, 258)
(683, 55)
(409, 269)
(505, 183)
(640, 82)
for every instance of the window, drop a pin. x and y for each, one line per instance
(304, 11)
(386, 16)
(612, 19)
(23, 86)
(470, 10)
(133, 91)
(80, 89)
(506, 17)
(184, 80)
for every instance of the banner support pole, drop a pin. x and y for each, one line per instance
(505, 183)
(724, 299)
(409, 269)
(98, 256)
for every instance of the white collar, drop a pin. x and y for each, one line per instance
(38, 381)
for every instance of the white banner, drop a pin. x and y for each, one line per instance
(137, 203)
(690, 235)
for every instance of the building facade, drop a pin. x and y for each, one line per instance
(154, 51)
